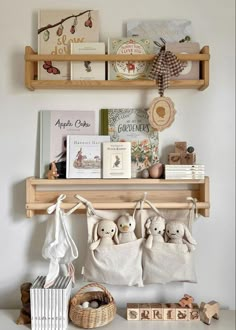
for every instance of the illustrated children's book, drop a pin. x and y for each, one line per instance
(87, 70)
(55, 125)
(84, 156)
(129, 69)
(56, 30)
(116, 160)
(132, 125)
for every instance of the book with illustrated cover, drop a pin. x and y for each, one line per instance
(55, 125)
(84, 156)
(132, 125)
(174, 30)
(129, 69)
(56, 30)
(87, 70)
(116, 160)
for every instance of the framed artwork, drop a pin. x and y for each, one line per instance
(161, 113)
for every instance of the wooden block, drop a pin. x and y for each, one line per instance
(194, 313)
(188, 159)
(180, 147)
(133, 312)
(157, 312)
(169, 312)
(174, 158)
(182, 314)
(145, 312)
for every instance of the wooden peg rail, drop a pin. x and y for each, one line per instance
(32, 59)
(116, 194)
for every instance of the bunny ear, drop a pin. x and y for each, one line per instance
(148, 243)
(95, 232)
(148, 223)
(188, 236)
(116, 239)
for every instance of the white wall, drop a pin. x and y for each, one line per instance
(204, 119)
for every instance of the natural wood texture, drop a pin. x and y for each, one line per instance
(115, 194)
(32, 59)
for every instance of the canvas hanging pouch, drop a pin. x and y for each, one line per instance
(165, 262)
(58, 246)
(116, 264)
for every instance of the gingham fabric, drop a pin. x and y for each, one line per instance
(165, 65)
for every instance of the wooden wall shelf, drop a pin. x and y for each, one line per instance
(116, 194)
(32, 59)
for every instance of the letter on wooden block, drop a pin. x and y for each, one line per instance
(182, 314)
(157, 312)
(145, 312)
(194, 314)
(132, 312)
(188, 159)
(174, 158)
(180, 147)
(169, 312)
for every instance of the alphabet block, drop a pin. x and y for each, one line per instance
(169, 312)
(145, 312)
(133, 312)
(188, 159)
(182, 314)
(181, 147)
(157, 312)
(194, 313)
(174, 158)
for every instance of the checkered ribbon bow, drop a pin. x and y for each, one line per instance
(165, 65)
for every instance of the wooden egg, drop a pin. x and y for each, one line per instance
(156, 170)
(145, 173)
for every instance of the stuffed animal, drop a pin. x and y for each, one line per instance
(25, 314)
(52, 173)
(178, 233)
(155, 229)
(105, 234)
(126, 225)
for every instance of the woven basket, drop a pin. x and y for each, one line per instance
(88, 317)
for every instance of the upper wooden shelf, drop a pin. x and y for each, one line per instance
(32, 59)
(116, 193)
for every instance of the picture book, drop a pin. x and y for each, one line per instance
(129, 69)
(132, 125)
(174, 30)
(55, 125)
(84, 156)
(56, 30)
(116, 160)
(87, 70)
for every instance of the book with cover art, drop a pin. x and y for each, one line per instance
(116, 160)
(129, 69)
(132, 125)
(55, 125)
(174, 30)
(84, 156)
(56, 30)
(87, 70)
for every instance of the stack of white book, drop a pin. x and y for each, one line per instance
(49, 307)
(195, 171)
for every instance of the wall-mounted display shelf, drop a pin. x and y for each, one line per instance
(32, 59)
(116, 193)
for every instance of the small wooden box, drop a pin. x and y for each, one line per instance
(157, 312)
(194, 313)
(145, 312)
(133, 312)
(181, 147)
(188, 159)
(174, 158)
(169, 312)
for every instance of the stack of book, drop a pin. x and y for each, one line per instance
(195, 171)
(49, 307)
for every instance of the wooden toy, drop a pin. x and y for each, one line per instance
(169, 312)
(209, 310)
(157, 312)
(182, 155)
(133, 312)
(188, 159)
(52, 173)
(174, 158)
(145, 312)
(186, 301)
(180, 147)
(194, 313)
(182, 314)
(25, 315)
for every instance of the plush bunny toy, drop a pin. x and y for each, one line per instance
(155, 229)
(126, 225)
(105, 234)
(178, 233)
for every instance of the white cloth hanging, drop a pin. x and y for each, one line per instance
(59, 246)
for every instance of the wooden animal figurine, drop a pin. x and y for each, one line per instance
(209, 310)
(105, 234)
(25, 315)
(178, 233)
(52, 173)
(155, 229)
(186, 301)
(126, 225)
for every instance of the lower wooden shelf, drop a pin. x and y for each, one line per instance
(116, 194)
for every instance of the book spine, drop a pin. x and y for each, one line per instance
(104, 121)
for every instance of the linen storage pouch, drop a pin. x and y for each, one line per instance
(168, 252)
(113, 256)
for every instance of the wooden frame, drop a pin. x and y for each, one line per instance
(116, 193)
(32, 58)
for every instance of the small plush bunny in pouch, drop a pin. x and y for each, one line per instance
(105, 234)
(178, 233)
(58, 246)
(155, 229)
